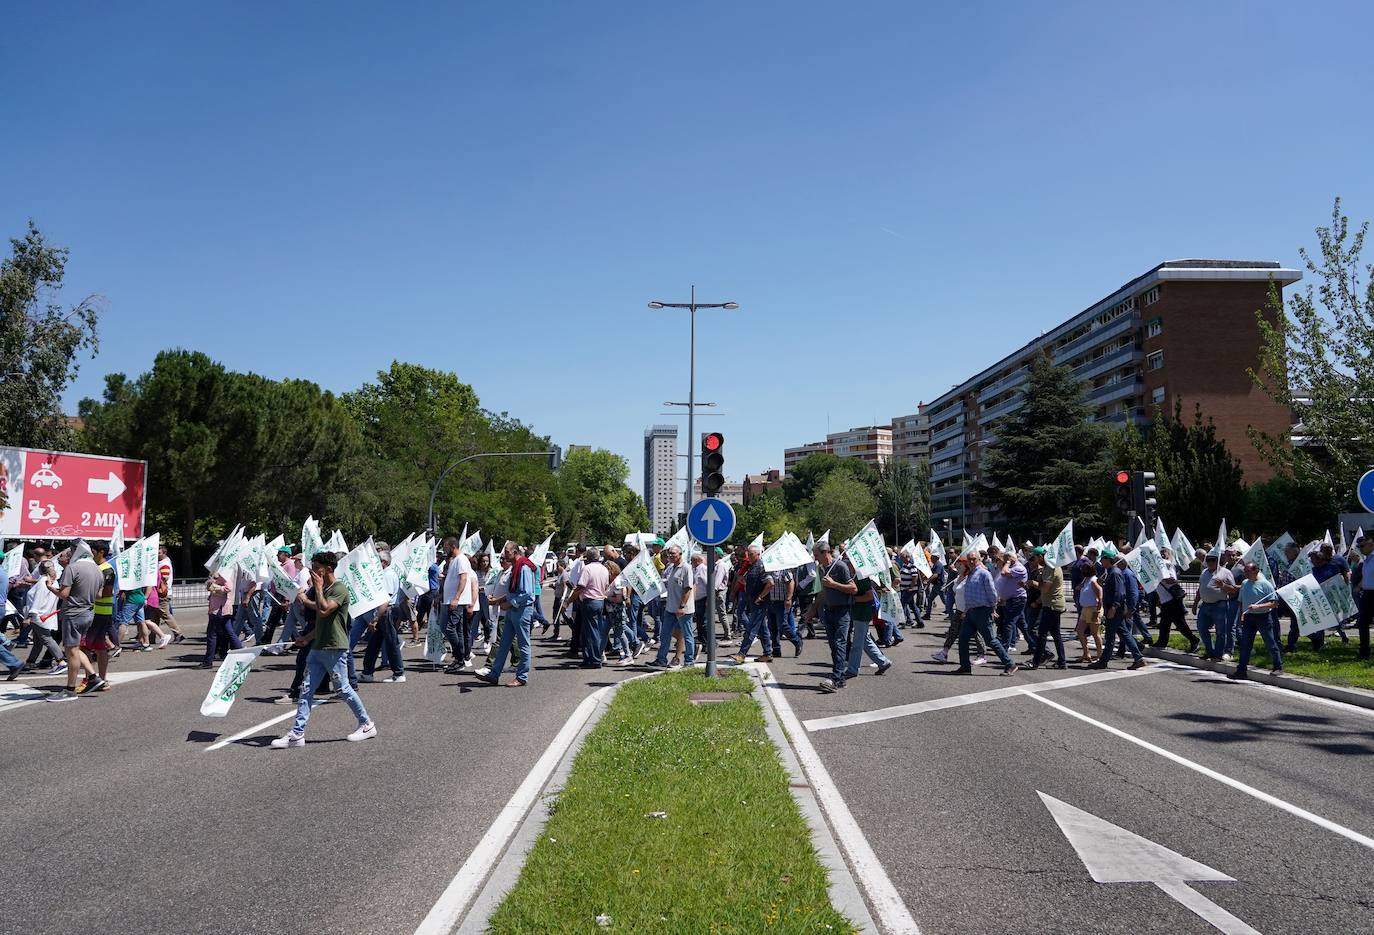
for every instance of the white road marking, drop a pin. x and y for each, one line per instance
(893, 915)
(957, 701)
(1290, 693)
(1114, 855)
(16, 695)
(1222, 778)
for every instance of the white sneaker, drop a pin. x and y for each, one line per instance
(483, 672)
(393, 679)
(366, 732)
(364, 677)
(162, 643)
(1225, 657)
(981, 661)
(940, 656)
(289, 740)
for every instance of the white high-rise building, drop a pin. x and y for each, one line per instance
(660, 477)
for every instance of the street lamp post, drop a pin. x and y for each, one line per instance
(434, 491)
(692, 307)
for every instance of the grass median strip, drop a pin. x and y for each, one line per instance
(1337, 663)
(676, 818)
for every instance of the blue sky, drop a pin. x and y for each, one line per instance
(896, 194)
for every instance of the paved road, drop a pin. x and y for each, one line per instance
(947, 793)
(141, 826)
(122, 819)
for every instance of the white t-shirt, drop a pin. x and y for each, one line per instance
(575, 573)
(457, 568)
(41, 602)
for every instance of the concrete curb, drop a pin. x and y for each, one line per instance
(843, 888)
(1296, 683)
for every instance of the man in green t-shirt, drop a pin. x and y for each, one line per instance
(1050, 580)
(328, 642)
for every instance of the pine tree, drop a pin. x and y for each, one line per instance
(1046, 465)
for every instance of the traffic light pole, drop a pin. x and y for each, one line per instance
(710, 611)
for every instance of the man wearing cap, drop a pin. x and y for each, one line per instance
(835, 601)
(1117, 602)
(1050, 582)
(1214, 587)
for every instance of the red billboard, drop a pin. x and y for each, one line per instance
(62, 494)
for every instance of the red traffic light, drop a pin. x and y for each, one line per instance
(712, 441)
(1123, 477)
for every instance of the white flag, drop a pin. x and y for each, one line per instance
(541, 552)
(1161, 536)
(1310, 604)
(14, 560)
(1256, 554)
(936, 546)
(1060, 551)
(642, 575)
(233, 672)
(787, 552)
(336, 544)
(866, 552)
(311, 540)
(361, 571)
(1221, 540)
(1184, 552)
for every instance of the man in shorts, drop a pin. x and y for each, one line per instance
(103, 634)
(76, 591)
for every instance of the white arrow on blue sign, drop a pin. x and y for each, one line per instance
(1364, 490)
(710, 521)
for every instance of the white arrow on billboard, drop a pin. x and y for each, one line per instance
(110, 486)
(1115, 855)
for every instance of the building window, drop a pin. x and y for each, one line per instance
(1153, 327)
(1155, 361)
(1152, 296)
(1157, 395)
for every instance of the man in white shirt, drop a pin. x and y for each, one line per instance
(457, 603)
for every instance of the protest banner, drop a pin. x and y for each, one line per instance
(1277, 557)
(1257, 555)
(1147, 564)
(1302, 565)
(889, 605)
(1183, 550)
(1161, 537)
(866, 552)
(136, 566)
(226, 557)
(336, 544)
(311, 540)
(1310, 605)
(541, 552)
(788, 552)
(232, 673)
(643, 576)
(14, 560)
(361, 571)
(918, 558)
(1339, 596)
(1060, 552)
(285, 585)
(473, 544)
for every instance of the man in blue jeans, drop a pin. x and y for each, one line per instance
(1214, 588)
(1010, 583)
(518, 599)
(835, 602)
(1116, 604)
(1256, 614)
(980, 597)
(752, 603)
(328, 644)
(678, 605)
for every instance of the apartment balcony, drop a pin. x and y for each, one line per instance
(1001, 409)
(956, 429)
(954, 409)
(1006, 383)
(1122, 389)
(1124, 324)
(1117, 358)
(1137, 415)
(946, 469)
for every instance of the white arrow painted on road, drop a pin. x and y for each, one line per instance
(110, 486)
(710, 517)
(1115, 855)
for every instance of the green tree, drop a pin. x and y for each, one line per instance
(1317, 359)
(802, 482)
(903, 494)
(1199, 480)
(767, 514)
(39, 343)
(1045, 467)
(842, 504)
(1301, 506)
(594, 504)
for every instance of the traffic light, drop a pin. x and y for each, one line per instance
(1123, 491)
(555, 457)
(1143, 493)
(712, 463)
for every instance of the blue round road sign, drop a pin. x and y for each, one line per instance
(1364, 491)
(710, 521)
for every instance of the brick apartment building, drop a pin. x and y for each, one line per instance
(1185, 330)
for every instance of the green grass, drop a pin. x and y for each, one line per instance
(733, 854)
(1337, 662)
